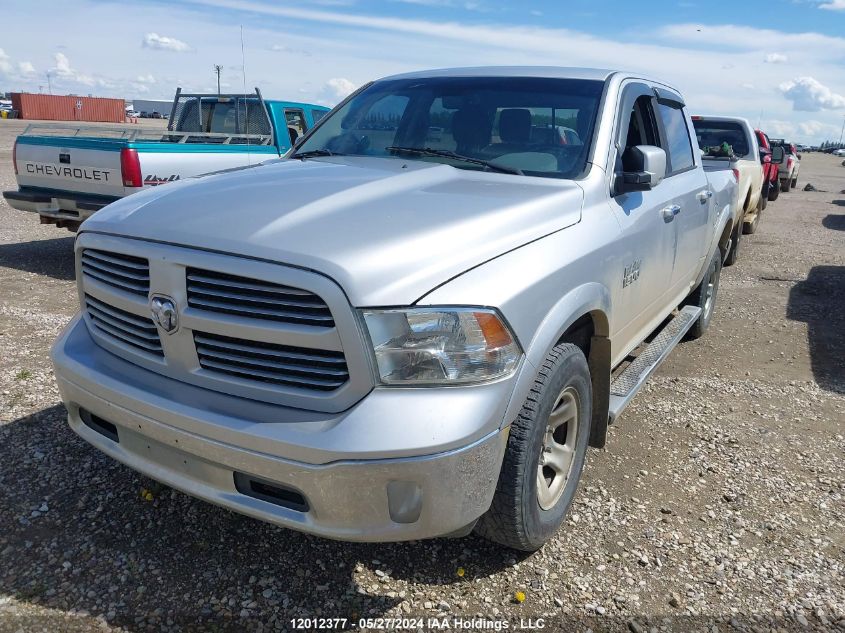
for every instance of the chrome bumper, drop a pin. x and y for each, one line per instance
(57, 205)
(190, 439)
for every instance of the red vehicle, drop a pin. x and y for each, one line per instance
(771, 183)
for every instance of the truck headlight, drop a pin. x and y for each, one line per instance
(441, 346)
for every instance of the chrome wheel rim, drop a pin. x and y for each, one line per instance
(708, 293)
(557, 454)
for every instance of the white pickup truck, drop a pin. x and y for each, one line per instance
(714, 132)
(66, 172)
(396, 334)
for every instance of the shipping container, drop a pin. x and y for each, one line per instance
(67, 108)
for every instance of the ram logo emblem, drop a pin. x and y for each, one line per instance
(631, 274)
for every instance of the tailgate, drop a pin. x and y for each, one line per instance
(70, 164)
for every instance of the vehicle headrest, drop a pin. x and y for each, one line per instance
(471, 127)
(515, 125)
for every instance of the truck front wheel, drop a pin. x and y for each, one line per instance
(704, 296)
(545, 454)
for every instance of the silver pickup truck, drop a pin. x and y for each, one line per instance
(392, 334)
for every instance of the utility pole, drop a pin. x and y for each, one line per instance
(49, 85)
(217, 69)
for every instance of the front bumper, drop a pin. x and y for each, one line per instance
(58, 205)
(428, 466)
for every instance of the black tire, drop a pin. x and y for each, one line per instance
(785, 185)
(736, 239)
(774, 191)
(764, 199)
(704, 296)
(795, 182)
(515, 518)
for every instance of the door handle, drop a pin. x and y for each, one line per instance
(704, 196)
(670, 212)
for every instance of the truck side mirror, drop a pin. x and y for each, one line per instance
(643, 168)
(777, 154)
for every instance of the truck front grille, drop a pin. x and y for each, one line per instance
(267, 362)
(229, 294)
(263, 331)
(124, 327)
(125, 272)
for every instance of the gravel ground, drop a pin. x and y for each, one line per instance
(717, 504)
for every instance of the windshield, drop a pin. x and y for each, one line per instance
(536, 126)
(714, 133)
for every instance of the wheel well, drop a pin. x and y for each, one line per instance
(590, 334)
(580, 333)
(747, 203)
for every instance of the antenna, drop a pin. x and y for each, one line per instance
(246, 101)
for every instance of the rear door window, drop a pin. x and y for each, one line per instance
(679, 146)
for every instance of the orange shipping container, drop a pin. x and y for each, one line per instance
(68, 108)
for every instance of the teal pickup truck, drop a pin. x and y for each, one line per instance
(65, 173)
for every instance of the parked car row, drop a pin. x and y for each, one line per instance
(764, 167)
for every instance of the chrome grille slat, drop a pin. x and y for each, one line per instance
(123, 326)
(246, 284)
(126, 261)
(259, 313)
(139, 333)
(267, 362)
(253, 374)
(110, 269)
(269, 300)
(253, 348)
(125, 272)
(131, 319)
(106, 279)
(259, 363)
(214, 291)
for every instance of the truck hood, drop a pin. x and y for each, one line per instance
(387, 230)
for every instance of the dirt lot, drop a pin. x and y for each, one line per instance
(718, 504)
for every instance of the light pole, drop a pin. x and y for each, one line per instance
(217, 69)
(49, 85)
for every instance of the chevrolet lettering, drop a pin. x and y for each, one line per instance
(60, 171)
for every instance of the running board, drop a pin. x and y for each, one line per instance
(626, 385)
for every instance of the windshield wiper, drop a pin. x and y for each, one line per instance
(315, 152)
(445, 153)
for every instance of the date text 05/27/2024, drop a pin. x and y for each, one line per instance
(415, 624)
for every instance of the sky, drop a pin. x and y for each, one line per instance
(780, 63)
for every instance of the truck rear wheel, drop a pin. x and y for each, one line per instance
(785, 184)
(736, 238)
(704, 296)
(774, 191)
(545, 454)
